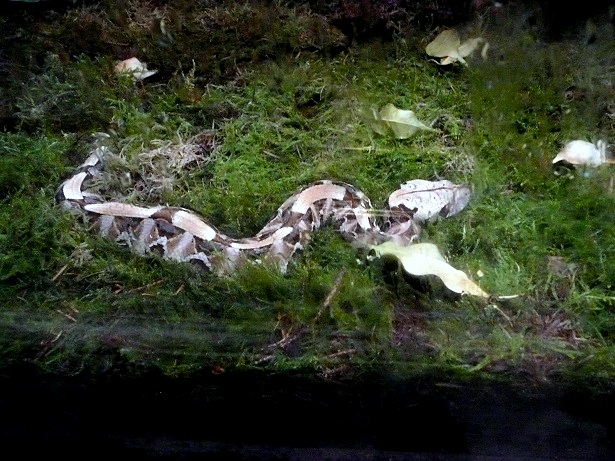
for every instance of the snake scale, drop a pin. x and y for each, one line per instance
(182, 235)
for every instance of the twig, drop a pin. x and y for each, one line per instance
(343, 352)
(334, 289)
(57, 337)
(68, 316)
(263, 359)
(502, 313)
(146, 287)
(367, 148)
(59, 273)
(286, 339)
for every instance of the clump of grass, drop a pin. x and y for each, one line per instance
(63, 97)
(522, 115)
(30, 166)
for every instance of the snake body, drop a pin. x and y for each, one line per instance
(182, 235)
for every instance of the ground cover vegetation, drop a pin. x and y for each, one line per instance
(252, 100)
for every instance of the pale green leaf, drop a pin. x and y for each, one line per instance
(378, 125)
(468, 46)
(403, 123)
(425, 259)
(445, 44)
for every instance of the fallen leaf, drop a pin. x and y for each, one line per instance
(432, 199)
(468, 46)
(135, 68)
(447, 46)
(583, 153)
(425, 259)
(402, 123)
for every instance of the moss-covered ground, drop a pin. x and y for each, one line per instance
(278, 96)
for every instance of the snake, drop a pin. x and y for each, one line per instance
(180, 234)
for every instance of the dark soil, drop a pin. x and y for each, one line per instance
(294, 417)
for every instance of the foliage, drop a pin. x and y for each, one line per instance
(282, 97)
(447, 46)
(401, 123)
(425, 259)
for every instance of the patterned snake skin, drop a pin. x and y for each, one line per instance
(180, 234)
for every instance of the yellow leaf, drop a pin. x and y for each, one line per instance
(448, 47)
(425, 259)
(403, 123)
(445, 44)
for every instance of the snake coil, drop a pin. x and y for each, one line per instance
(182, 235)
